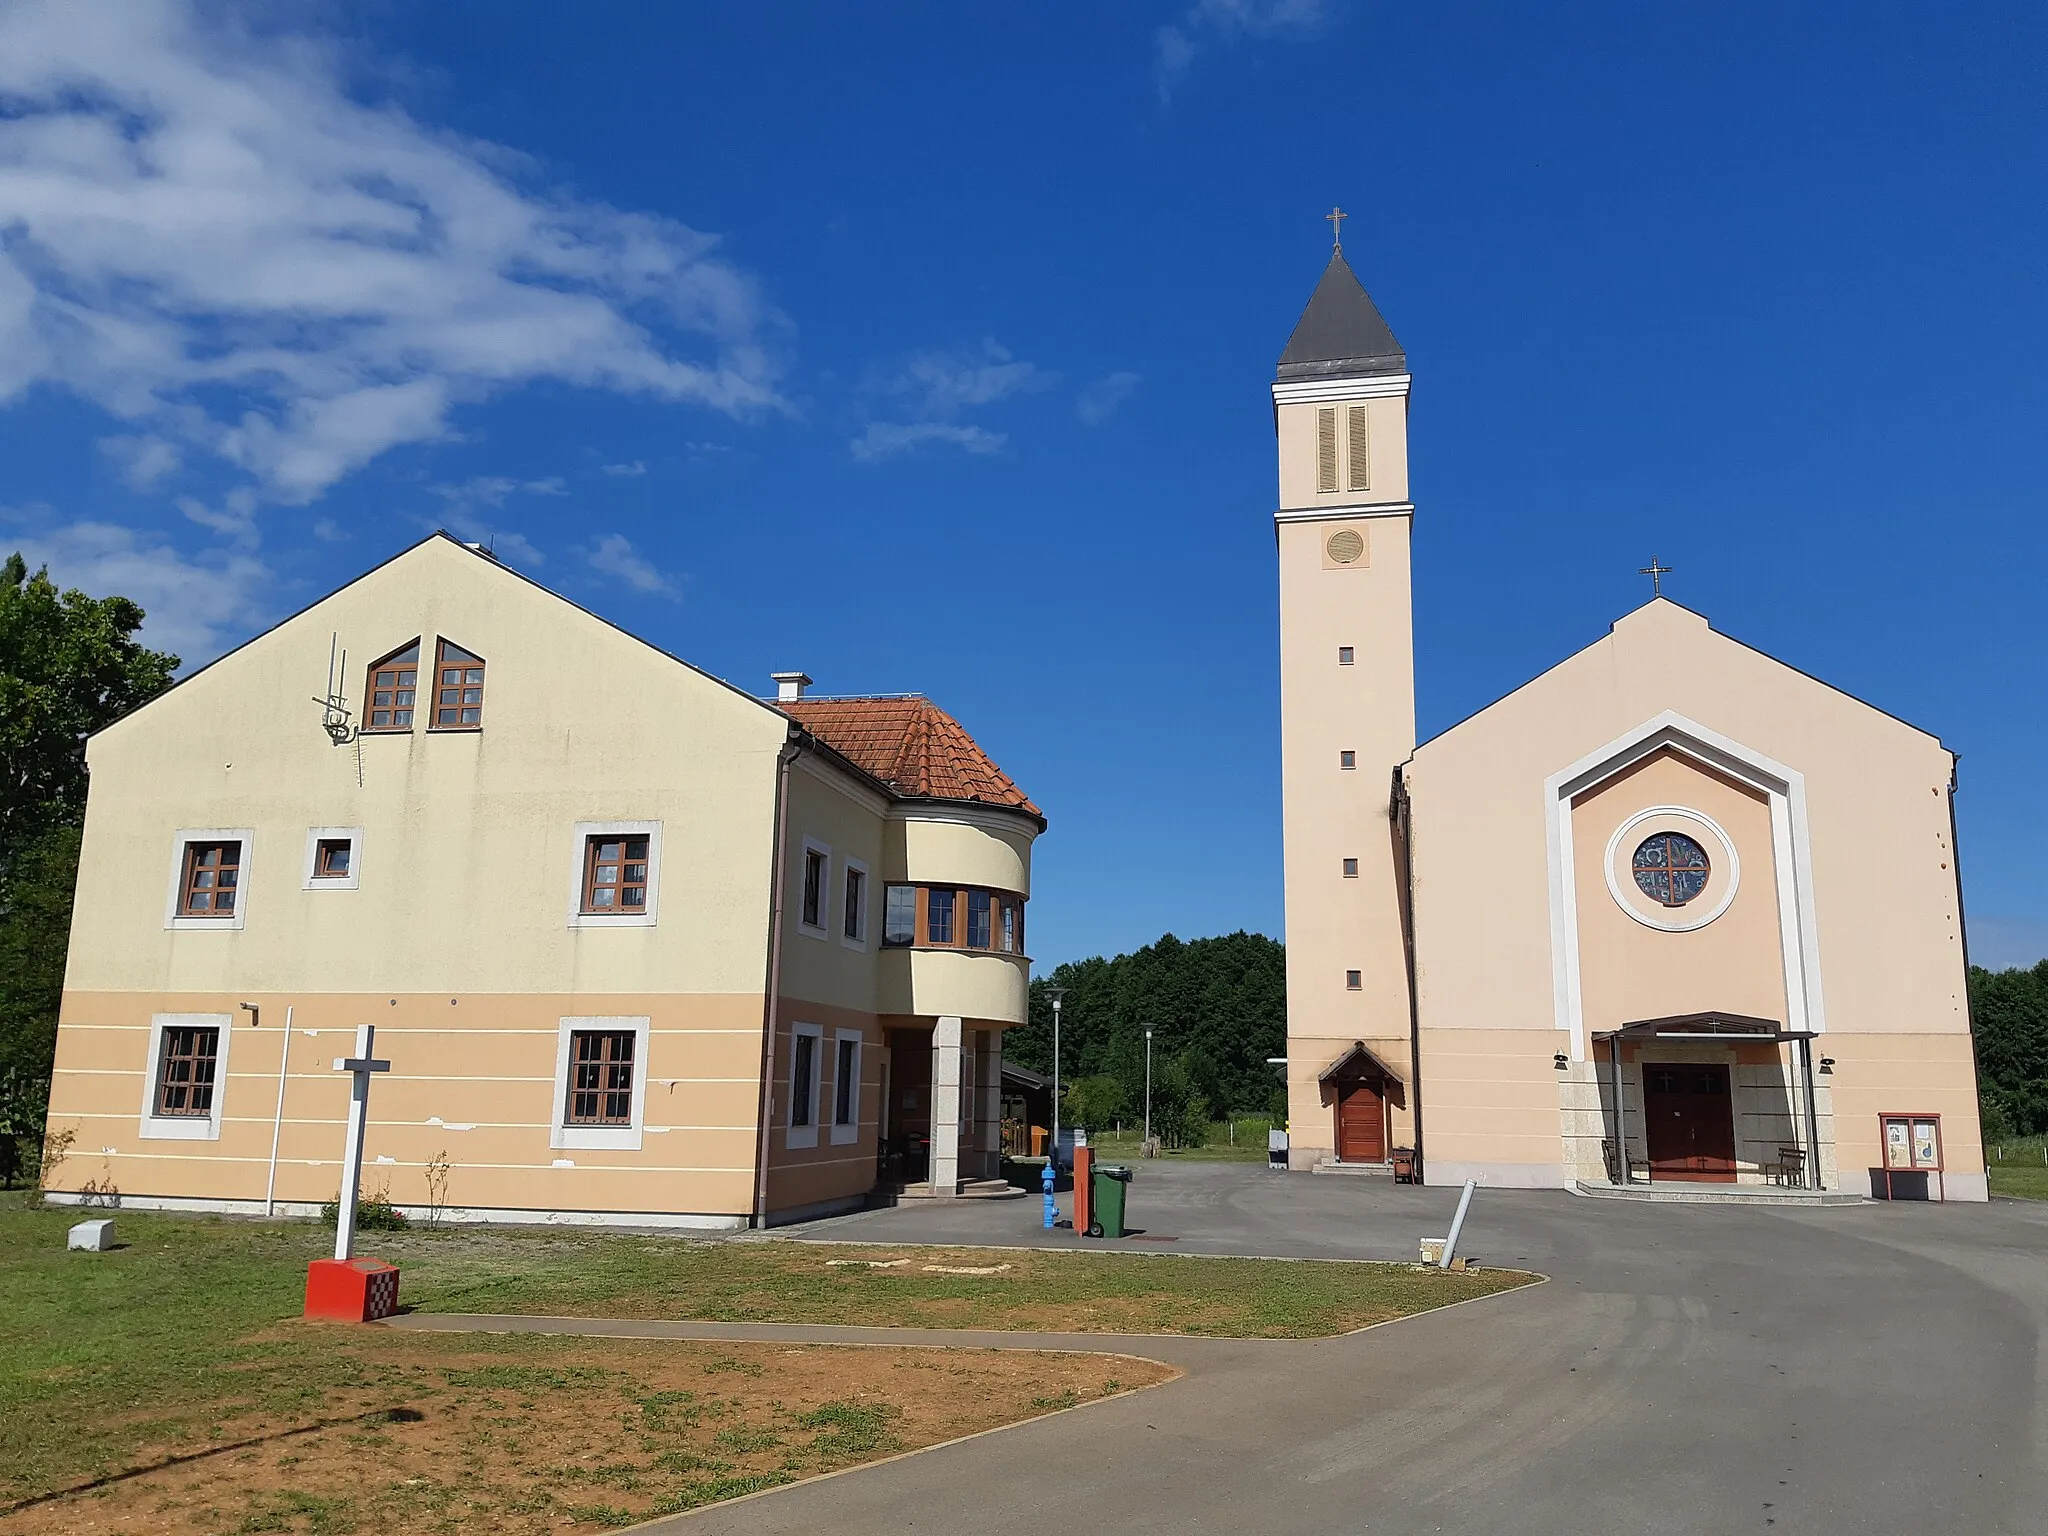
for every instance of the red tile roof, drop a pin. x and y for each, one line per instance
(910, 744)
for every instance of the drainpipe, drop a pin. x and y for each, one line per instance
(771, 992)
(1401, 827)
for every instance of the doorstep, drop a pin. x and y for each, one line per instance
(1717, 1194)
(1368, 1170)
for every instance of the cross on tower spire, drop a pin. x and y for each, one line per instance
(1335, 219)
(1656, 573)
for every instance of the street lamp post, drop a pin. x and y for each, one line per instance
(1148, 1090)
(1056, 994)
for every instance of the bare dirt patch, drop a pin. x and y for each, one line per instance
(514, 1436)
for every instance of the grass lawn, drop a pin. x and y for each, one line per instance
(2022, 1181)
(188, 1340)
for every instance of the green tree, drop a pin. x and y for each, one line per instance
(1218, 1008)
(1095, 1103)
(69, 664)
(2009, 1017)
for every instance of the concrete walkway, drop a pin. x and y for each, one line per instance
(1690, 1369)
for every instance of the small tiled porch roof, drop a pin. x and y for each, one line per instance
(910, 744)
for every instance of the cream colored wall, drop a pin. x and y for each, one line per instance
(966, 984)
(966, 846)
(470, 857)
(803, 1177)
(473, 1076)
(848, 819)
(1387, 466)
(1335, 924)
(1628, 971)
(1490, 1107)
(1883, 885)
(1894, 1073)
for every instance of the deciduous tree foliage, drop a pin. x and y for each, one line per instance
(2009, 1014)
(69, 664)
(1218, 1008)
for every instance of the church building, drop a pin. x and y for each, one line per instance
(1672, 915)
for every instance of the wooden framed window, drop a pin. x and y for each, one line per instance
(980, 920)
(846, 1083)
(600, 1078)
(211, 882)
(614, 876)
(393, 685)
(185, 1071)
(854, 919)
(803, 1082)
(939, 913)
(816, 864)
(899, 916)
(458, 688)
(1009, 927)
(333, 858)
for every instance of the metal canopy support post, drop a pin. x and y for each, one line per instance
(1620, 1114)
(1812, 1113)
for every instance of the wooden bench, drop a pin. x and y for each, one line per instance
(1789, 1170)
(1614, 1169)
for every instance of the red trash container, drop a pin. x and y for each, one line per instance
(351, 1290)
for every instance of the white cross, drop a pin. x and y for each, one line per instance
(361, 1065)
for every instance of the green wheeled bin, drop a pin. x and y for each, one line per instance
(1107, 1188)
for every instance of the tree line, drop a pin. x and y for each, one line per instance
(2009, 1017)
(69, 664)
(1218, 1010)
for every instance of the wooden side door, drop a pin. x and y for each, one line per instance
(1361, 1124)
(1689, 1115)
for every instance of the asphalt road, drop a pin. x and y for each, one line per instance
(1688, 1369)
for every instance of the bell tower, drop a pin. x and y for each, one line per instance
(1347, 718)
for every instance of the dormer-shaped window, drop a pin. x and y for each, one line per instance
(392, 684)
(458, 689)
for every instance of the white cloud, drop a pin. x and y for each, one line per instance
(1209, 23)
(1098, 402)
(634, 468)
(195, 608)
(614, 555)
(491, 490)
(209, 238)
(945, 383)
(235, 518)
(327, 529)
(884, 439)
(143, 460)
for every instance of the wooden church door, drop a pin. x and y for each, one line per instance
(1690, 1117)
(1361, 1124)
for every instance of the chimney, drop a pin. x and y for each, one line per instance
(790, 685)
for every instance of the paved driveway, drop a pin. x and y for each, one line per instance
(1695, 1369)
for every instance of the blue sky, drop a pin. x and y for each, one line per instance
(926, 347)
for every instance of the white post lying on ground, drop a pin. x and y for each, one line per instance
(1457, 1224)
(361, 1065)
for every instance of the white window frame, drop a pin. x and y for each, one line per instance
(156, 1127)
(315, 836)
(846, 1135)
(617, 1138)
(173, 916)
(867, 896)
(822, 929)
(585, 831)
(795, 1137)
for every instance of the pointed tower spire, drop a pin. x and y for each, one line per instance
(1341, 334)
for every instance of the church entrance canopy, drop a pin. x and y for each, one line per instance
(1718, 1029)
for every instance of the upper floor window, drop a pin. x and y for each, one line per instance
(458, 688)
(938, 918)
(854, 919)
(394, 683)
(817, 861)
(1010, 910)
(899, 916)
(186, 1065)
(615, 875)
(332, 857)
(212, 880)
(980, 920)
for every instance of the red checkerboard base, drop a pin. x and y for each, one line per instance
(351, 1290)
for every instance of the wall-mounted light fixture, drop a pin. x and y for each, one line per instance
(1827, 1066)
(1561, 1061)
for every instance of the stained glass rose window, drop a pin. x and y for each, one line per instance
(1671, 868)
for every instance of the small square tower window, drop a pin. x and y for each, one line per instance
(1351, 869)
(1347, 759)
(1354, 981)
(1344, 656)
